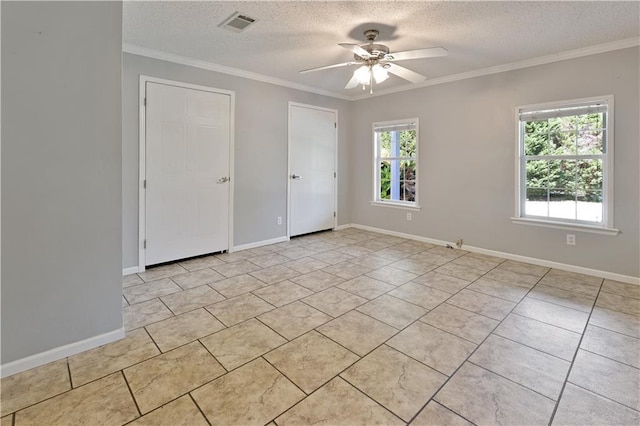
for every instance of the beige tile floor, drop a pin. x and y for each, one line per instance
(351, 327)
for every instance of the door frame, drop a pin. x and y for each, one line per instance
(335, 162)
(142, 143)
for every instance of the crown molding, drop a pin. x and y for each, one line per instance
(197, 63)
(542, 60)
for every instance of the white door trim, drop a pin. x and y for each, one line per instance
(142, 126)
(335, 181)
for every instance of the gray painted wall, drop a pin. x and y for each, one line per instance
(467, 160)
(260, 176)
(61, 174)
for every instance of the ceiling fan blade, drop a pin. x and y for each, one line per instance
(355, 49)
(344, 64)
(431, 52)
(352, 83)
(405, 73)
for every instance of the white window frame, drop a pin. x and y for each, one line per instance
(376, 200)
(606, 226)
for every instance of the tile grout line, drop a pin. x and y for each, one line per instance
(564, 306)
(166, 306)
(275, 331)
(604, 397)
(530, 347)
(446, 408)
(610, 359)
(614, 331)
(545, 323)
(513, 381)
(198, 406)
(575, 355)
(131, 393)
(69, 371)
(306, 395)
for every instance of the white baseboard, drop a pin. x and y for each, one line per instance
(400, 234)
(55, 354)
(132, 270)
(535, 261)
(341, 227)
(260, 243)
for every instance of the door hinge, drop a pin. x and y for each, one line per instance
(334, 214)
(334, 174)
(144, 184)
(144, 244)
(144, 102)
(335, 125)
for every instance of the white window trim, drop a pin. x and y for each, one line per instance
(376, 201)
(607, 220)
(396, 205)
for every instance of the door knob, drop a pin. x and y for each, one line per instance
(296, 176)
(223, 180)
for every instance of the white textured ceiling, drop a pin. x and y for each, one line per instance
(293, 35)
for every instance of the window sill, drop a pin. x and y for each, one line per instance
(567, 226)
(396, 205)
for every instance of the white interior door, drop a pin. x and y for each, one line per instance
(187, 172)
(312, 158)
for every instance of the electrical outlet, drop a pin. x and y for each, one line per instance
(408, 216)
(279, 220)
(571, 239)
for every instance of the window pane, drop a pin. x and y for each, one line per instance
(536, 139)
(407, 170)
(589, 121)
(589, 175)
(536, 203)
(562, 143)
(408, 143)
(538, 194)
(385, 189)
(590, 206)
(590, 142)
(408, 190)
(562, 175)
(566, 123)
(384, 141)
(537, 174)
(390, 180)
(385, 180)
(562, 204)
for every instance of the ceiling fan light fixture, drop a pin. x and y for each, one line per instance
(363, 75)
(376, 62)
(380, 74)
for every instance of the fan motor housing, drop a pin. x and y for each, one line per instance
(377, 51)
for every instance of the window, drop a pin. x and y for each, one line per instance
(566, 162)
(396, 163)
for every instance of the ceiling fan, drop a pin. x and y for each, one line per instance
(376, 62)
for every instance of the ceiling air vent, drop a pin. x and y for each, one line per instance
(237, 22)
